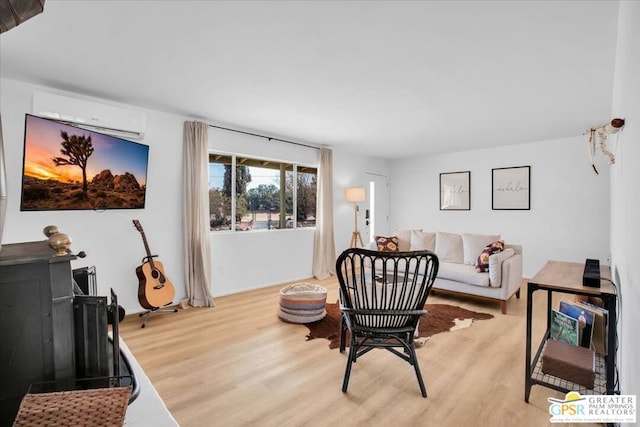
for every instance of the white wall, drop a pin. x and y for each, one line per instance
(111, 242)
(625, 194)
(569, 214)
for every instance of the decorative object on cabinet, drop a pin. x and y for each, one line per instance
(58, 241)
(50, 230)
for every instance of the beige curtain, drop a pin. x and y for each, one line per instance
(195, 215)
(324, 248)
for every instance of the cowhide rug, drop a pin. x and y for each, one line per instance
(441, 318)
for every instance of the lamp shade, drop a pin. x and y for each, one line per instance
(354, 195)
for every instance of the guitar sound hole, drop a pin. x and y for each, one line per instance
(156, 274)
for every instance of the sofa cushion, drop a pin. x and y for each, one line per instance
(387, 244)
(482, 264)
(495, 264)
(473, 244)
(449, 247)
(462, 273)
(404, 239)
(423, 241)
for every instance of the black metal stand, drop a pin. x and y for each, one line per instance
(147, 313)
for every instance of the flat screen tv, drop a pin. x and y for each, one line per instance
(70, 168)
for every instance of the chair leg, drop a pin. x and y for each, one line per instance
(414, 362)
(343, 334)
(347, 371)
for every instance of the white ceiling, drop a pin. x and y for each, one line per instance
(391, 79)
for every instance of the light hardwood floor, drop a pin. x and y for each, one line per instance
(237, 364)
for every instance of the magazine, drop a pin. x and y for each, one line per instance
(585, 321)
(599, 338)
(564, 328)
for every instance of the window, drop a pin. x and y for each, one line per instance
(268, 194)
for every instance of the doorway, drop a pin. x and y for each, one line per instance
(376, 206)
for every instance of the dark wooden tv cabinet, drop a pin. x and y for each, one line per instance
(36, 321)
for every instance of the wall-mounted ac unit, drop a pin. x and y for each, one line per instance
(104, 118)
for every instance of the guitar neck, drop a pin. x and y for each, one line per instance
(146, 248)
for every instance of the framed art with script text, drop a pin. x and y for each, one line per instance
(455, 191)
(511, 188)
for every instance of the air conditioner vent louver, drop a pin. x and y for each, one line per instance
(121, 122)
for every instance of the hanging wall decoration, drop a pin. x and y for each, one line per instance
(511, 188)
(602, 133)
(455, 191)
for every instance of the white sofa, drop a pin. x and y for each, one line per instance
(458, 255)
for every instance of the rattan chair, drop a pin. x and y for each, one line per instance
(382, 297)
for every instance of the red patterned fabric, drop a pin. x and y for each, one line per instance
(387, 244)
(482, 264)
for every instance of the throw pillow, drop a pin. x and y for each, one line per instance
(482, 264)
(449, 247)
(423, 241)
(404, 238)
(387, 244)
(473, 244)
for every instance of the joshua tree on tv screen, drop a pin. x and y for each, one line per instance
(70, 168)
(77, 150)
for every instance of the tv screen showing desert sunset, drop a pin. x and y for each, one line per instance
(67, 167)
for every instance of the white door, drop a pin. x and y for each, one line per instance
(376, 206)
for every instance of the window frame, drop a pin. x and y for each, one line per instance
(234, 165)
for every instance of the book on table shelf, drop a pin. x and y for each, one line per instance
(600, 316)
(564, 328)
(585, 321)
(570, 362)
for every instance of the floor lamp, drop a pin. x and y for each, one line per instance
(355, 195)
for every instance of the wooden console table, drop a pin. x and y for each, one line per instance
(566, 277)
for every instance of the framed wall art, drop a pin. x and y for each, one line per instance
(455, 191)
(511, 188)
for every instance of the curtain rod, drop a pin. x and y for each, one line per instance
(267, 137)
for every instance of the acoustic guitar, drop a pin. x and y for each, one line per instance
(154, 289)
